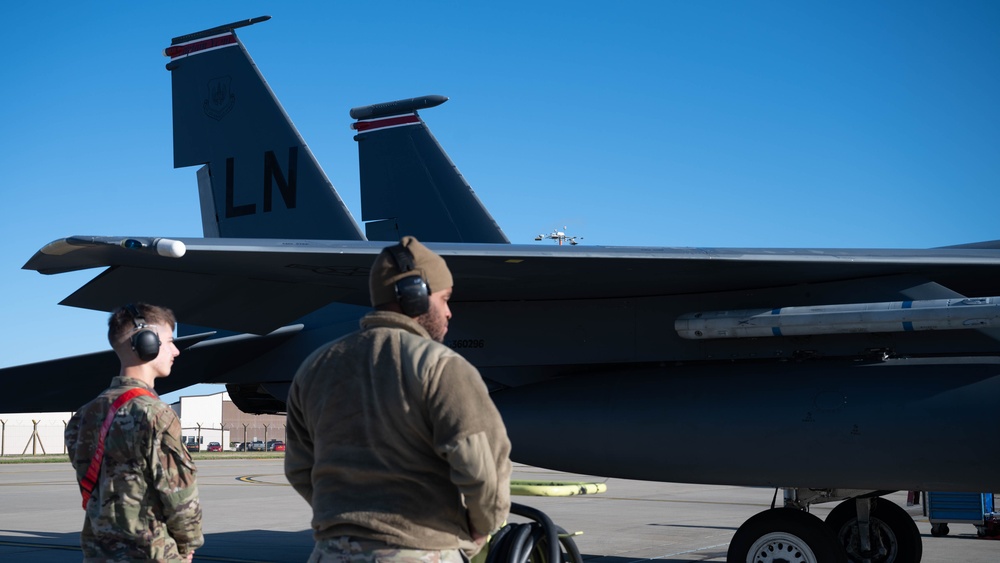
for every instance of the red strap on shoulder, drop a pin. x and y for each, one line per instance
(90, 479)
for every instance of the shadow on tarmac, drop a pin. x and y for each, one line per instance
(245, 546)
(704, 555)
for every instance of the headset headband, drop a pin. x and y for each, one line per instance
(137, 319)
(403, 258)
(411, 290)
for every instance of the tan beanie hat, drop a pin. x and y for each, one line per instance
(385, 272)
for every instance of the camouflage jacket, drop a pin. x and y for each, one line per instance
(145, 505)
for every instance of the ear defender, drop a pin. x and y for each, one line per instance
(412, 292)
(145, 342)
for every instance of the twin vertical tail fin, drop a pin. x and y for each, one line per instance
(260, 180)
(409, 185)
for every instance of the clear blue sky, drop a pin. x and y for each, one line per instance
(712, 124)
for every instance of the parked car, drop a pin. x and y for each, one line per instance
(193, 446)
(256, 446)
(214, 447)
(275, 446)
(239, 446)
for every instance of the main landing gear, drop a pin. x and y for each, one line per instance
(862, 529)
(785, 535)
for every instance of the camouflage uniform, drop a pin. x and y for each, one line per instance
(355, 550)
(145, 505)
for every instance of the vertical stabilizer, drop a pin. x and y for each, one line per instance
(261, 179)
(409, 185)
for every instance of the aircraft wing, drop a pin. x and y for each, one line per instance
(258, 285)
(203, 359)
(91, 374)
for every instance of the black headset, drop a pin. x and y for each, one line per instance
(412, 292)
(145, 342)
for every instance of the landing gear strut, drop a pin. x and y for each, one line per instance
(887, 535)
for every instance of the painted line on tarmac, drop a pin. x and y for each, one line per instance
(253, 479)
(681, 501)
(691, 550)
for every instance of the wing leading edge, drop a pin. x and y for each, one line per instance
(257, 285)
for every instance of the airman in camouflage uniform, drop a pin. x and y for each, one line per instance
(145, 503)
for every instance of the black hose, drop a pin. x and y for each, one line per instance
(569, 547)
(522, 539)
(540, 541)
(497, 544)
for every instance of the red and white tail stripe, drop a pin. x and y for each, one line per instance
(202, 45)
(368, 125)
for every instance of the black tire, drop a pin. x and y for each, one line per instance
(785, 534)
(939, 530)
(894, 534)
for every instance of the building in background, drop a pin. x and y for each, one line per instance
(214, 418)
(204, 419)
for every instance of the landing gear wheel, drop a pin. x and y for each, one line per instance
(894, 537)
(939, 530)
(785, 535)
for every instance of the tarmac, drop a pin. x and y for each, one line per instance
(252, 515)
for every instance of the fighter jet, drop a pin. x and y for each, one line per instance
(834, 374)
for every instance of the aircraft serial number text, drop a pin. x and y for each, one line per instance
(471, 343)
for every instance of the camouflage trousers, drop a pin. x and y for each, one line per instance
(356, 550)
